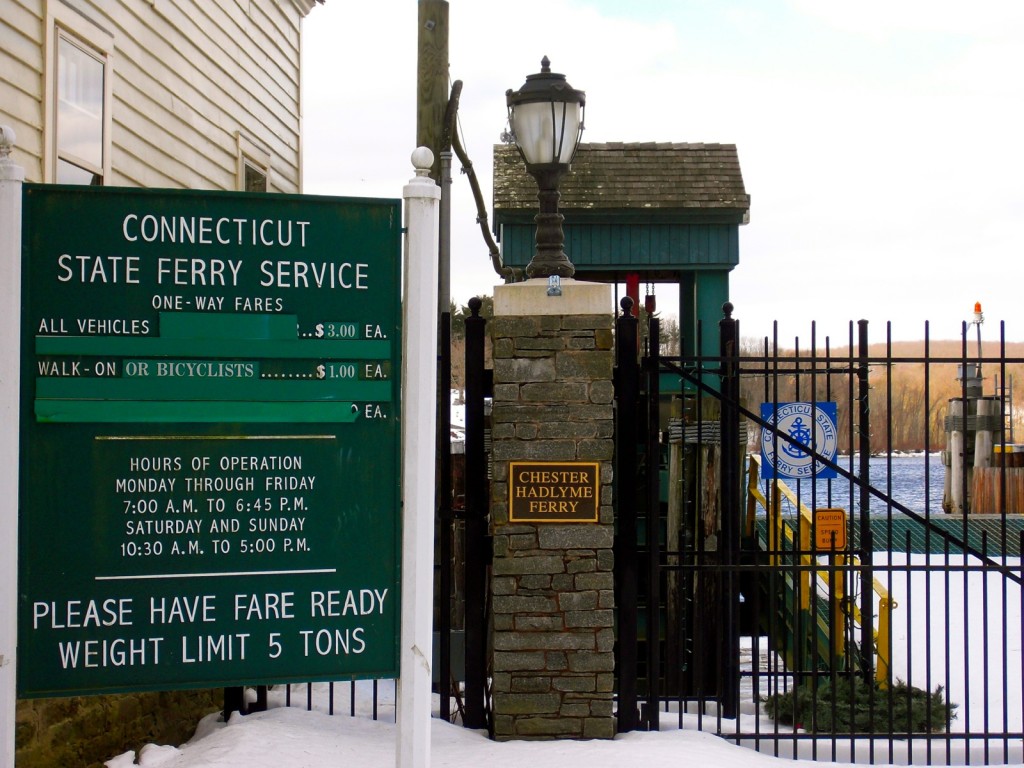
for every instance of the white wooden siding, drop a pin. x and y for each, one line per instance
(21, 81)
(188, 77)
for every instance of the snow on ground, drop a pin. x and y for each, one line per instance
(967, 611)
(954, 609)
(294, 738)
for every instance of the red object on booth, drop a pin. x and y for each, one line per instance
(633, 291)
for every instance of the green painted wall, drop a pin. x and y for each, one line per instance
(632, 246)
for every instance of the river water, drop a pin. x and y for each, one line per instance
(913, 480)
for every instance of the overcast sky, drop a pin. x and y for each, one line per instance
(882, 142)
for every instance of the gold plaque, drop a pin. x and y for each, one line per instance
(553, 491)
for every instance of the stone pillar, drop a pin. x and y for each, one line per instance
(552, 584)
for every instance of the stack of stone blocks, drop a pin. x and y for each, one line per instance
(552, 591)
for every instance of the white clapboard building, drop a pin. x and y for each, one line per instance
(179, 94)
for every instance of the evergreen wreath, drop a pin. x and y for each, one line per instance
(848, 704)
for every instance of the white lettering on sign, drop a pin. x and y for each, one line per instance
(261, 463)
(98, 269)
(192, 271)
(314, 274)
(206, 648)
(270, 605)
(201, 370)
(258, 304)
(119, 652)
(91, 648)
(182, 609)
(325, 642)
(78, 614)
(331, 603)
(88, 326)
(276, 524)
(207, 230)
(290, 483)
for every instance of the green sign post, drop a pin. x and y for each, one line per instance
(210, 443)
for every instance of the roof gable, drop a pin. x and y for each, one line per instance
(691, 180)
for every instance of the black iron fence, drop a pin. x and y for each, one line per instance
(374, 699)
(461, 563)
(870, 611)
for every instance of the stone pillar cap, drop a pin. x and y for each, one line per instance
(530, 298)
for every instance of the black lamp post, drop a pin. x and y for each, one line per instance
(546, 119)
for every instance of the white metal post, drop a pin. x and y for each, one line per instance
(11, 178)
(419, 385)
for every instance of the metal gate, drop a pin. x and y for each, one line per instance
(839, 618)
(463, 543)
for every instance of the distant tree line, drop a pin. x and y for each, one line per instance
(908, 394)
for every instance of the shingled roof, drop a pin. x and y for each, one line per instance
(655, 177)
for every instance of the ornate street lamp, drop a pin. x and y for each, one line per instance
(546, 120)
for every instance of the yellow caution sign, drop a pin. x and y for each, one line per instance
(830, 529)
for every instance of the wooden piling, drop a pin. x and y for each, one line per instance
(987, 408)
(987, 495)
(955, 473)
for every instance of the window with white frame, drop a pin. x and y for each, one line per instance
(78, 97)
(255, 178)
(253, 165)
(79, 113)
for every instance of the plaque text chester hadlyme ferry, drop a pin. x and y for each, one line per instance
(553, 492)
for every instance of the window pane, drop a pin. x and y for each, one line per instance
(255, 180)
(68, 173)
(79, 104)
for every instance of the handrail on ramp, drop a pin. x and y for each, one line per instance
(830, 582)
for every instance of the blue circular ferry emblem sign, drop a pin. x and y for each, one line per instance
(808, 426)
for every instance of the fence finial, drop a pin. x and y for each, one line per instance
(7, 139)
(422, 160)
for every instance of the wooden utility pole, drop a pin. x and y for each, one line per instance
(432, 78)
(431, 108)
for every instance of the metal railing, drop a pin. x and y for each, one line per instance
(938, 679)
(789, 536)
(373, 699)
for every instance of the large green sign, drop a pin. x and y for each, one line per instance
(210, 440)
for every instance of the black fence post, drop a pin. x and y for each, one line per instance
(260, 705)
(653, 467)
(476, 522)
(867, 640)
(729, 417)
(444, 513)
(234, 701)
(627, 392)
